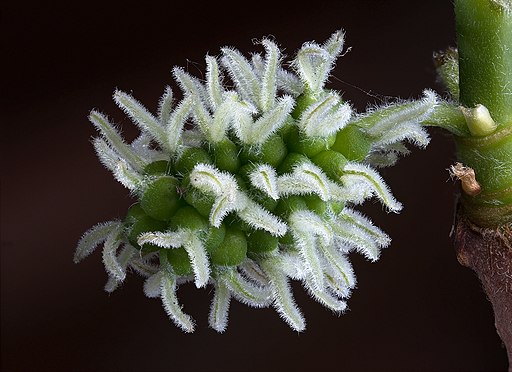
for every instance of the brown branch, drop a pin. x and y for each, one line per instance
(488, 252)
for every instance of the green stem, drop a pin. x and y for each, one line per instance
(484, 40)
(483, 228)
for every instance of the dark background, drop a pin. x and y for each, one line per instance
(416, 309)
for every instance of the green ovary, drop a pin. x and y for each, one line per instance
(233, 249)
(170, 202)
(160, 199)
(352, 143)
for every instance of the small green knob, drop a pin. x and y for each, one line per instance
(233, 249)
(352, 143)
(190, 157)
(261, 242)
(160, 199)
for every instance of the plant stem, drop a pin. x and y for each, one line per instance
(488, 252)
(483, 232)
(484, 40)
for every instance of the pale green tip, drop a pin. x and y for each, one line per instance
(479, 120)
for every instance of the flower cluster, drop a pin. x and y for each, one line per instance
(251, 180)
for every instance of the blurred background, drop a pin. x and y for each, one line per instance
(416, 309)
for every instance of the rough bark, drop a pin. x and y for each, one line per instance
(488, 252)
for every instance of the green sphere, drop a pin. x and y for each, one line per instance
(331, 162)
(158, 167)
(160, 199)
(199, 200)
(302, 102)
(292, 159)
(315, 204)
(233, 249)
(309, 146)
(190, 157)
(261, 242)
(143, 224)
(263, 199)
(188, 217)
(179, 260)
(215, 237)
(290, 204)
(352, 143)
(225, 154)
(271, 152)
(134, 213)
